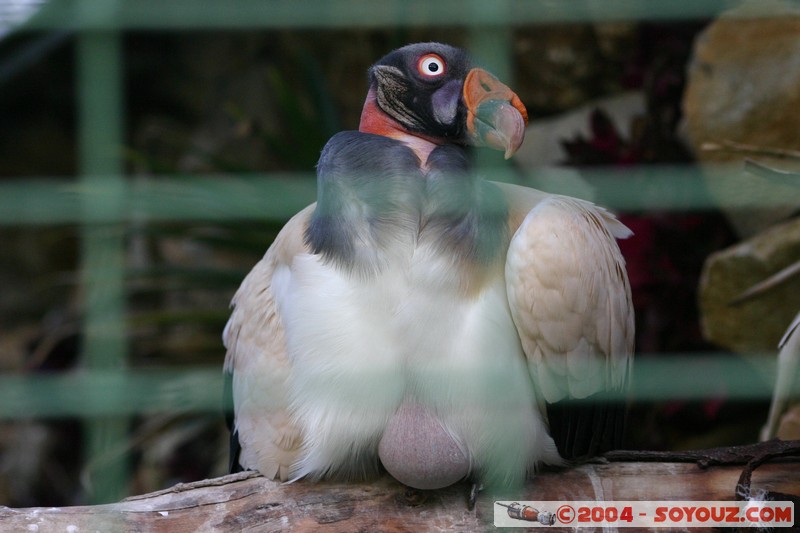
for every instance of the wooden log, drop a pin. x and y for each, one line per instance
(249, 502)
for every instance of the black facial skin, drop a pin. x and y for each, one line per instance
(431, 106)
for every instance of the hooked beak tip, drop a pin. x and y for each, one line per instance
(514, 132)
(500, 126)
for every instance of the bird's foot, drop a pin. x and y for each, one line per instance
(596, 460)
(474, 490)
(414, 497)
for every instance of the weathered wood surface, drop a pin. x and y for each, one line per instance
(247, 502)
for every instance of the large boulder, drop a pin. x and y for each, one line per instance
(744, 89)
(756, 324)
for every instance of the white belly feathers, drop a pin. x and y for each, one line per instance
(362, 348)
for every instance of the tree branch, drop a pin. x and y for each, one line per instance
(248, 502)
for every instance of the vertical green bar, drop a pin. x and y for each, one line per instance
(491, 43)
(99, 58)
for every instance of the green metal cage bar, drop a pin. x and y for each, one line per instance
(264, 14)
(125, 392)
(99, 78)
(276, 197)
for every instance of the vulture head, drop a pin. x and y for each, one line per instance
(435, 92)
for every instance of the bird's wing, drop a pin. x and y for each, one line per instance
(571, 302)
(256, 363)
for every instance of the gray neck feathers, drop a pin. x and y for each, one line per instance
(375, 205)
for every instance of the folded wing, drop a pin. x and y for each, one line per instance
(571, 302)
(256, 364)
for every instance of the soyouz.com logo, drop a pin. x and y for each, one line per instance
(666, 514)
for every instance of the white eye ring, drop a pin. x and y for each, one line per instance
(431, 66)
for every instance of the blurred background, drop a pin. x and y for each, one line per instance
(150, 151)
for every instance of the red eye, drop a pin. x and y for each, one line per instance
(431, 66)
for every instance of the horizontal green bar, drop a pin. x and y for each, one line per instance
(233, 14)
(698, 376)
(276, 197)
(101, 393)
(98, 393)
(61, 201)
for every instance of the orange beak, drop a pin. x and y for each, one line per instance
(496, 116)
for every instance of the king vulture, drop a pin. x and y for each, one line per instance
(420, 319)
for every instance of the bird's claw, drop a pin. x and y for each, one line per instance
(473, 495)
(414, 497)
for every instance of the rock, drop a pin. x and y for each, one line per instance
(755, 325)
(561, 66)
(744, 86)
